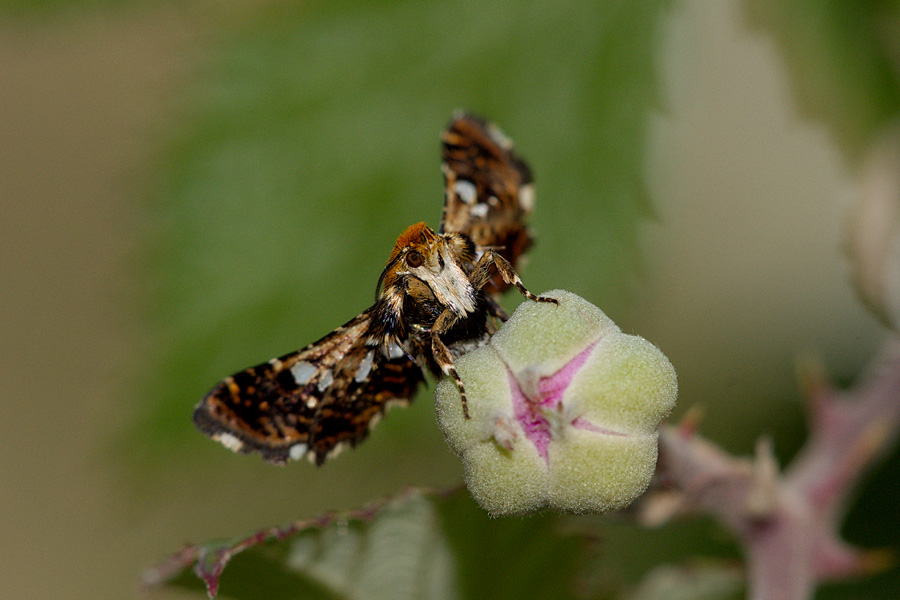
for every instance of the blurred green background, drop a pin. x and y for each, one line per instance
(189, 188)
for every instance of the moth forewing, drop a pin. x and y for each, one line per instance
(307, 403)
(488, 190)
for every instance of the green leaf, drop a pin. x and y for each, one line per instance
(417, 545)
(310, 141)
(533, 557)
(708, 581)
(842, 58)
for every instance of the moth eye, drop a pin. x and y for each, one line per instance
(414, 259)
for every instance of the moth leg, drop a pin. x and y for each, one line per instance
(481, 275)
(442, 355)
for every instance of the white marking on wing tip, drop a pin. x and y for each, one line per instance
(480, 210)
(465, 190)
(526, 197)
(326, 380)
(376, 418)
(499, 137)
(338, 448)
(364, 368)
(311, 402)
(298, 451)
(229, 441)
(303, 372)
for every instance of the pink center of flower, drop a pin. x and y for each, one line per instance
(531, 412)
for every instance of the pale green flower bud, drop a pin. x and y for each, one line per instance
(564, 409)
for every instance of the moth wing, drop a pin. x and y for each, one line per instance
(313, 402)
(488, 189)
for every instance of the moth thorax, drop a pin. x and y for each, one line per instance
(450, 284)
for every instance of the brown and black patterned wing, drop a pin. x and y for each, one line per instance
(313, 402)
(488, 189)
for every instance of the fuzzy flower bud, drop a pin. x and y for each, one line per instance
(564, 409)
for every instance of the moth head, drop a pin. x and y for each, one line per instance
(420, 246)
(431, 265)
(415, 251)
(416, 245)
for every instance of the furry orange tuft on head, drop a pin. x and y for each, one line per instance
(415, 233)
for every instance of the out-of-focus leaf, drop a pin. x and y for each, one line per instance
(843, 58)
(258, 575)
(531, 557)
(417, 545)
(695, 582)
(43, 8)
(311, 142)
(392, 550)
(400, 554)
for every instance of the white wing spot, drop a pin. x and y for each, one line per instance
(479, 210)
(526, 197)
(303, 372)
(465, 190)
(394, 350)
(325, 381)
(376, 418)
(396, 402)
(311, 402)
(499, 137)
(338, 448)
(364, 368)
(298, 451)
(229, 441)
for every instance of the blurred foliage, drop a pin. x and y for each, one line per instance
(691, 582)
(38, 9)
(844, 61)
(417, 545)
(310, 141)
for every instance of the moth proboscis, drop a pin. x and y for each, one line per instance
(435, 300)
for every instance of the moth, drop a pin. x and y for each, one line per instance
(435, 300)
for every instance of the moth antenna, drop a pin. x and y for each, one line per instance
(384, 273)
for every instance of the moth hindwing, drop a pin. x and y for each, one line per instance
(434, 301)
